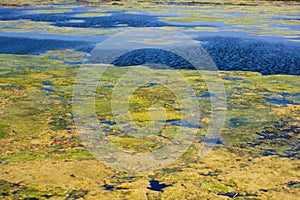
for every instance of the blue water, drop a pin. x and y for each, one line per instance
(206, 95)
(148, 85)
(175, 122)
(156, 186)
(46, 83)
(48, 90)
(24, 45)
(231, 48)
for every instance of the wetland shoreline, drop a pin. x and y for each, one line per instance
(254, 44)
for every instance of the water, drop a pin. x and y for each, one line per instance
(280, 101)
(239, 40)
(47, 83)
(156, 186)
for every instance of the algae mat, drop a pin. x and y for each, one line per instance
(43, 157)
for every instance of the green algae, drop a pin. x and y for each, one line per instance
(50, 11)
(93, 15)
(216, 187)
(17, 191)
(141, 100)
(28, 26)
(45, 129)
(257, 19)
(4, 128)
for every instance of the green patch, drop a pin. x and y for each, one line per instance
(136, 144)
(59, 153)
(21, 157)
(295, 186)
(4, 130)
(216, 187)
(17, 191)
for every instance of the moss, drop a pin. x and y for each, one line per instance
(4, 130)
(21, 157)
(13, 190)
(37, 125)
(72, 154)
(136, 144)
(295, 186)
(216, 187)
(286, 83)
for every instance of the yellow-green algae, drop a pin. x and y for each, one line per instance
(253, 17)
(43, 145)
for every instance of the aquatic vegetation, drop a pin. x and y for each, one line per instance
(257, 157)
(3, 130)
(196, 18)
(45, 11)
(93, 15)
(217, 187)
(28, 26)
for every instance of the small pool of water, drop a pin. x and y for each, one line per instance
(47, 83)
(206, 95)
(48, 90)
(280, 101)
(156, 186)
(148, 85)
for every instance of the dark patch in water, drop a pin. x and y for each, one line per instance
(284, 94)
(293, 184)
(46, 83)
(77, 194)
(157, 56)
(296, 94)
(235, 195)
(65, 20)
(107, 86)
(279, 101)
(174, 122)
(156, 186)
(281, 139)
(212, 174)
(264, 190)
(206, 95)
(32, 46)
(108, 187)
(230, 194)
(212, 140)
(171, 102)
(233, 79)
(73, 63)
(10, 87)
(48, 90)
(270, 152)
(180, 109)
(232, 54)
(47, 196)
(110, 123)
(148, 85)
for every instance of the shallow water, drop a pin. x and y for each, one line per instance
(241, 39)
(261, 131)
